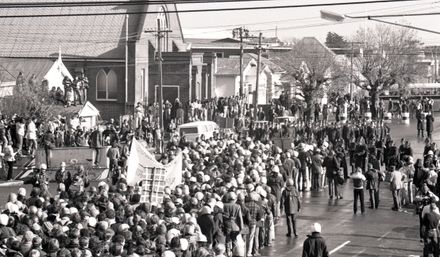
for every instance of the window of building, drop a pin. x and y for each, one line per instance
(220, 55)
(106, 85)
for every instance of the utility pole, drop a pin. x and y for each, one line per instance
(126, 63)
(435, 64)
(241, 61)
(259, 48)
(351, 71)
(242, 33)
(159, 34)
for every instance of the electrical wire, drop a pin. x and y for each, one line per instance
(204, 10)
(119, 3)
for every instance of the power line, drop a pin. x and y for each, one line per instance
(204, 10)
(394, 15)
(112, 3)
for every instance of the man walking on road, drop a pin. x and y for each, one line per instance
(291, 205)
(431, 221)
(358, 189)
(374, 177)
(429, 124)
(315, 245)
(396, 179)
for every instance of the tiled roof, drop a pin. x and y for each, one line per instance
(231, 66)
(10, 67)
(81, 36)
(272, 66)
(228, 66)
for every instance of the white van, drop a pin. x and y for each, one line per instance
(195, 129)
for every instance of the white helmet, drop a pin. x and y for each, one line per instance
(43, 166)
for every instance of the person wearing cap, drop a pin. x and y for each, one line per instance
(314, 245)
(423, 199)
(256, 213)
(40, 178)
(233, 220)
(206, 223)
(317, 160)
(430, 223)
(291, 205)
(275, 181)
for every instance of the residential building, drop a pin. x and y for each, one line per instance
(227, 78)
(96, 45)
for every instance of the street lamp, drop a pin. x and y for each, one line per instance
(332, 16)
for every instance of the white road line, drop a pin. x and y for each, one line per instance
(360, 252)
(384, 235)
(339, 247)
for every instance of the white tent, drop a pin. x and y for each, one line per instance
(56, 74)
(89, 115)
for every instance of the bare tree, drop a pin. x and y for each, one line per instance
(389, 57)
(311, 67)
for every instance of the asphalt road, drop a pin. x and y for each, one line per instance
(381, 232)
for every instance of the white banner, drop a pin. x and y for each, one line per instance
(173, 176)
(140, 159)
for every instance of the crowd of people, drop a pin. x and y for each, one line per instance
(235, 186)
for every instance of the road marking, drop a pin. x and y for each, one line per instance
(384, 235)
(339, 247)
(360, 252)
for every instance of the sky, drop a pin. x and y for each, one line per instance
(301, 22)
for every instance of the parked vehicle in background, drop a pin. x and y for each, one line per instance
(196, 129)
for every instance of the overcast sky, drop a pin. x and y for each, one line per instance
(300, 22)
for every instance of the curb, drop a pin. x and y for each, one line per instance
(11, 183)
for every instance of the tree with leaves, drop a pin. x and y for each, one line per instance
(389, 58)
(334, 40)
(28, 100)
(311, 68)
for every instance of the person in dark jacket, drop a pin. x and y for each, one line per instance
(374, 176)
(331, 164)
(96, 141)
(314, 245)
(275, 182)
(206, 222)
(429, 124)
(291, 204)
(420, 125)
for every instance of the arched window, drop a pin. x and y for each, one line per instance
(101, 85)
(106, 85)
(112, 85)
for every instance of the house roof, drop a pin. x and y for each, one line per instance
(209, 43)
(231, 65)
(275, 68)
(10, 67)
(77, 36)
